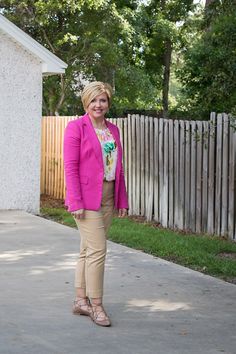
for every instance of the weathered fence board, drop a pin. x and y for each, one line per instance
(181, 174)
(125, 150)
(142, 165)
(192, 224)
(232, 177)
(156, 170)
(151, 169)
(171, 173)
(225, 164)
(199, 178)
(176, 178)
(161, 170)
(134, 164)
(146, 165)
(211, 175)
(187, 167)
(205, 175)
(138, 165)
(218, 190)
(130, 168)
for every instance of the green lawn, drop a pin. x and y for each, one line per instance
(211, 255)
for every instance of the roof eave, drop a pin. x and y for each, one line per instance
(50, 69)
(48, 59)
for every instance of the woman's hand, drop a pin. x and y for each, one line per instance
(122, 213)
(78, 214)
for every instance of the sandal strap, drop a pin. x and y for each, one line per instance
(97, 312)
(82, 301)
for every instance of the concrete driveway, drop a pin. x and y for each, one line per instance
(155, 306)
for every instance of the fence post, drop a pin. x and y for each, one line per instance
(211, 177)
(218, 184)
(232, 181)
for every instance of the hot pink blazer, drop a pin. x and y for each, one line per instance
(84, 170)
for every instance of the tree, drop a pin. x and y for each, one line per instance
(93, 37)
(208, 74)
(164, 21)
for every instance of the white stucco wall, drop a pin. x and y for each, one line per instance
(20, 127)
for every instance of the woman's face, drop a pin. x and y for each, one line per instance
(98, 107)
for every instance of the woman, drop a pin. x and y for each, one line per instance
(94, 186)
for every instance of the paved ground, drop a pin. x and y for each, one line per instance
(155, 306)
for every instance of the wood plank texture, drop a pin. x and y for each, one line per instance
(211, 176)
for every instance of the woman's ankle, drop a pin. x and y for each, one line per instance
(96, 301)
(80, 293)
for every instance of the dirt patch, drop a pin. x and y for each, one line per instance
(229, 255)
(230, 280)
(138, 219)
(49, 202)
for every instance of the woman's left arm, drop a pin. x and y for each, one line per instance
(122, 198)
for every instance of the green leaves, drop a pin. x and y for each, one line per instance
(209, 71)
(140, 48)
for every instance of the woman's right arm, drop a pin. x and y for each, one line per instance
(71, 166)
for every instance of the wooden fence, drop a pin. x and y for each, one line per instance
(178, 173)
(52, 170)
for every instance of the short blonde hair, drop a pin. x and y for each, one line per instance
(94, 89)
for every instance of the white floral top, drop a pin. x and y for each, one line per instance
(109, 153)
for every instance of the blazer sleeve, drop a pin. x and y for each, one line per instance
(122, 197)
(71, 148)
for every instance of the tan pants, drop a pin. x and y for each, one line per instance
(89, 273)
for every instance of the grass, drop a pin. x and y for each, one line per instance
(208, 254)
(199, 252)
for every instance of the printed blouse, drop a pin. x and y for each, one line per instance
(109, 153)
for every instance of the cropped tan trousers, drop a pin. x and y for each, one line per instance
(89, 273)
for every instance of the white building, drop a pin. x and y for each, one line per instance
(23, 62)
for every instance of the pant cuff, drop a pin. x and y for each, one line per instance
(81, 286)
(95, 294)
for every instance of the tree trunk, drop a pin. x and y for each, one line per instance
(166, 78)
(45, 107)
(62, 95)
(208, 15)
(208, 2)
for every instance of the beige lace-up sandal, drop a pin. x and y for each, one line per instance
(99, 316)
(82, 306)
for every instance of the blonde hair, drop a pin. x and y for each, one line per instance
(94, 89)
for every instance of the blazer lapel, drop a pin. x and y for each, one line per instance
(93, 139)
(114, 132)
